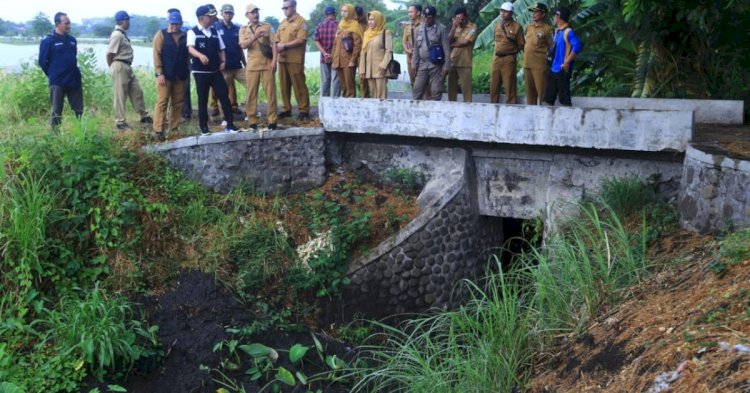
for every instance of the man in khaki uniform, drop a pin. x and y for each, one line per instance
(119, 60)
(259, 68)
(535, 66)
(290, 44)
(509, 41)
(430, 73)
(410, 33)
(462, 36)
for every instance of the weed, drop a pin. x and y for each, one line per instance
(408, 180)
(736, 247)
(627, 195)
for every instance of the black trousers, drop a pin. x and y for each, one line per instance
(558, 86)
(203, 83)
(187, 104)
(56, 97)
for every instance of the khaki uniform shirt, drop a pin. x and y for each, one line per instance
(340, 57)
(436, 34)
(119, 44)
(510, 40)
(290, 30)
(255, 59)
(538, 41)
(407, 38)
(464, 56)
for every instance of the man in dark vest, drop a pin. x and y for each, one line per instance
(58, 58)
(208, 60)
(171, 65)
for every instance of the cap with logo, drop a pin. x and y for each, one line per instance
(507, 6)
(330, 11)
(429, 11)
(175, 17)
(539, 7)
(204, 10)
(121, 16)
(227, 8)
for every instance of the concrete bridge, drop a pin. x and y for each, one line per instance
(486, 163)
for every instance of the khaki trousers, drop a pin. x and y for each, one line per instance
(503, 74)
(126, 86)
(459, 75)
(348, 84)
(171, 95)
(254, 79)
(378, 87)
(535, 81)
(364, 89)
(292, 76)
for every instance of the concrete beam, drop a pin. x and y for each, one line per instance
(706, 111)
(635, 130)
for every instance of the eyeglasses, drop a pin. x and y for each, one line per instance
(286, 8)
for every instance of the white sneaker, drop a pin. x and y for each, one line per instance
(224, 123)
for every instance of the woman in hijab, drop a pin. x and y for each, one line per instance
(346, 48)
(377, 50)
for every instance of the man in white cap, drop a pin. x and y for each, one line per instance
(509, 40)
(257, 38)
(119, 60)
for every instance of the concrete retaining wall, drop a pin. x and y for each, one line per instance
(639, 130)
(715, 192)
(706, 111)
(285, 161)
(526, 183)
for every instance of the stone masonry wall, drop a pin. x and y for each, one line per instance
(285, 161)
(715, 192)
(419, 267)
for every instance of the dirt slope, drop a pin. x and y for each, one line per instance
(675, 333)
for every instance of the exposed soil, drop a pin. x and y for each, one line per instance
(671, 323)
(732, 140)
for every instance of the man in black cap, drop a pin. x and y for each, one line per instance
(566, 47)
(432, 57)
(235, 69)
(538, 41)
(325, 34)
(208, 60)
(119, 60)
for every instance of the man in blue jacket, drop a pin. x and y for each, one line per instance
(58, 58)
(566, 46)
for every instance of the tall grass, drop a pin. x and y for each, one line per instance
(489, 344)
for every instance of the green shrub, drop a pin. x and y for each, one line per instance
(260, 254)
(736, 247)
(627, 195)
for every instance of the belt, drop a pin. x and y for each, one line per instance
(503, 54)
(123, 61)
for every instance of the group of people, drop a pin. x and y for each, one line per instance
(358, 45)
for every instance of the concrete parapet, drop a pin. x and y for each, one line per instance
(714, 193)
(283, 161)
(706, 111)
(636, 130)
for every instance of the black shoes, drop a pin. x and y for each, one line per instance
(238, 112)
(284, 114)
(273, 126)
(205, 131)
(303, 116)
(232, 129)
(253, 127)
(160, 136)
(147, 120)
(122, 126)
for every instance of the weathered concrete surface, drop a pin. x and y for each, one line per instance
(638, 130)
(715, 191)
(706, 111)
(283, 161)
(419, 267)
(527, 184)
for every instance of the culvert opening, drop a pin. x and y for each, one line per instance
(520, 236)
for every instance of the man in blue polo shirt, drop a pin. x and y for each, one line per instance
(566, 46)
(58, 58)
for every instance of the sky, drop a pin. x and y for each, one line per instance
(77, 10)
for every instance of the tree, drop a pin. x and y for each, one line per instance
(273, 21)
(40, 25)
